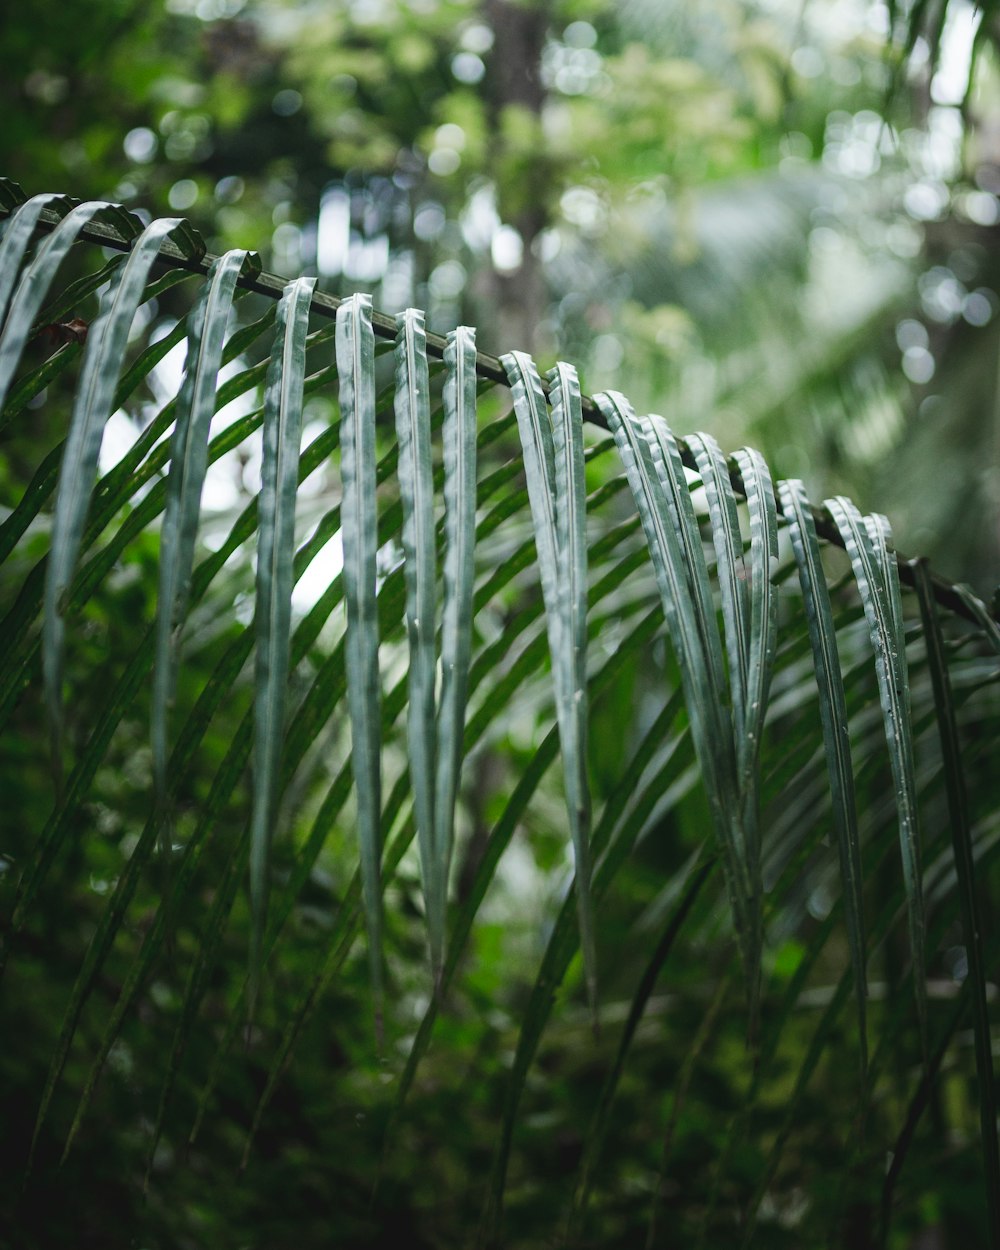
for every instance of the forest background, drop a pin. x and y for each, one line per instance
(777, 220)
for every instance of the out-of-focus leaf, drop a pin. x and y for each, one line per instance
(961, 838)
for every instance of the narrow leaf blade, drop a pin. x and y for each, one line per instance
(33, 287)
(355, 344)
(728, 545)
(699, 662)
(188, 462)
(555, 495)
(275, 577)
(16, 240)
(459, 441)
(871, 561)
(834, 722)
(101, 368)
(571, 536)
(416, 488)
(763, 606)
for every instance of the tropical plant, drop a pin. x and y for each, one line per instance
(660, 714)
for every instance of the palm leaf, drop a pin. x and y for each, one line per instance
(686, 605)
(34, 285)
(877, 580)
(275, 551)
(836, 741)
(728, 544)
(573, 710)
(105, 346)
(756, 478)
(16, 238)
(189, 459)
(356, 367)
(459, 440)
(761, 713)
(413, 429)
(555, 491)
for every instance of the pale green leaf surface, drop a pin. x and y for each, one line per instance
(556, 497)
(670, 474)
(188, 464)
(732, 573)
(275, 578)
(571, 570)
(416, 488)
(726, 724)
(459, 444)
(728, 543)
(699, 672)
(871, 561)
(356, 369)
(763, 607)
(92, 407)
(33, 287)
(833, 718)
(16, 240)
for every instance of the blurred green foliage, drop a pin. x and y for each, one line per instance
(706, 201)
(658, 191)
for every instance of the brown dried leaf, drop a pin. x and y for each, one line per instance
(74, 331)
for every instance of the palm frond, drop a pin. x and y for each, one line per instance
(274, 743)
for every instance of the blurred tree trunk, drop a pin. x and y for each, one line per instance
(515, 82)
